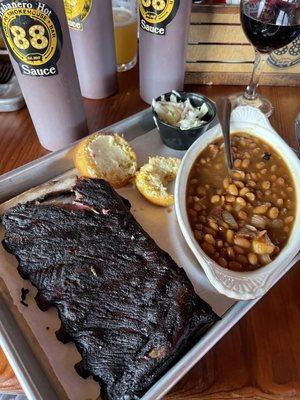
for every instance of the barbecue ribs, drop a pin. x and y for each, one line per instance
(129, 309)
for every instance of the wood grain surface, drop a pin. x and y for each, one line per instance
(260, 357)
(8, 380)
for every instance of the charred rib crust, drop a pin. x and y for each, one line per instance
(122, 300)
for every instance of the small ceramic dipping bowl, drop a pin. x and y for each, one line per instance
(179, 139)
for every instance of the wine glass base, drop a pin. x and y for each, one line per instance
(263, 104)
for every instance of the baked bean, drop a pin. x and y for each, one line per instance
(220, 243)
(208, 248)
(241, 202)
(245, 163)
(224, 224)
(213, 225)
(250, 196)
(259, 194)
(237, 163)
(290, 189)
(289, 204)
(264, 171)
(229, 236)
(273, 168)
(289, 219)
(242, 259)
(242, 242)
(266, 185)
(209, 230)
(260, 165)
(226, 183)
(209, 238)
(279, 202)
(252, 184)
(280, 181)
(215, 199)
(198, 235)
(230, 252)
(283, 194)
(243, 191)
(222, 262)
(262, 209)
(235, 266)
(238, 249)
(201, 190)
(273, 212)
(197, 207)
(252, 257)
(238, 174)
(230, 198)
(228, 207)
(232, 189)
(239, 184)
(243, 215)
(249, 206)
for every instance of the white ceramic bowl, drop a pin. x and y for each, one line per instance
(240, 285)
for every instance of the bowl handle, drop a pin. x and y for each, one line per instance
(251, 115)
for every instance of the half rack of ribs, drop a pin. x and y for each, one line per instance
(129, 309)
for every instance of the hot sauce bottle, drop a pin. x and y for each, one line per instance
(162, 46)
(92, 35)
(37, 37)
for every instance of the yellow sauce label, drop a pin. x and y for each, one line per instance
(155, 15)
(287, 56)
(77, 11)
(33, 36)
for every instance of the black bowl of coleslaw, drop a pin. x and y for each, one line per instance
(179, 131)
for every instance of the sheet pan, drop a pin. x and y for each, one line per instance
(40, 381)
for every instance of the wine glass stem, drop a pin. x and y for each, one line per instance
(259, 62)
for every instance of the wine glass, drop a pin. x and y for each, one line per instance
(269, 25)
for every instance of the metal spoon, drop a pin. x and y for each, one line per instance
(223, 111)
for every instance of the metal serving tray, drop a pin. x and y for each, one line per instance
(18, 351)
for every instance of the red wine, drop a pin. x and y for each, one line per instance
(270, 24)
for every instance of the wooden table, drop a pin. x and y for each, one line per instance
(260, 357)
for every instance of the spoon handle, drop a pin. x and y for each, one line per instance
(224, 112)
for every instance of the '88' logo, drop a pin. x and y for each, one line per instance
(37, 38)
(33, 35)
(157, 5)
(159, 12)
